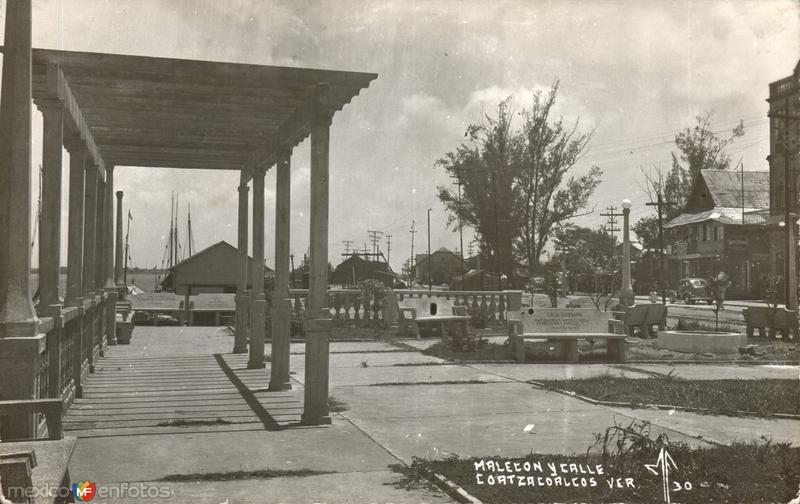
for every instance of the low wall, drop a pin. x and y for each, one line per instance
(701, 342)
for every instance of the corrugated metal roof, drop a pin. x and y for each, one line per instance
(725, 187)
(719, 214)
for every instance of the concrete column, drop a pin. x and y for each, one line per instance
(118, 255)
(242, 298)
(50, 222)
(76, 218)
(626, 296)
(318, 319)
(282, 309)
(258, 298)
(108, 252)
(17, 316)
(19, 342)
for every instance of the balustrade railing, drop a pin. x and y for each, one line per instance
(350, 305)
(69, 342)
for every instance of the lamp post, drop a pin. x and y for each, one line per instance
(626, 293)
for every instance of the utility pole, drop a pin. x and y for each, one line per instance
(388, 248)
(457, 183)
(291, 259)
(660, 204)
(496, 234)
(375, 236)
(612, 221)
(413, 232)
(346, 244)
(430, 278)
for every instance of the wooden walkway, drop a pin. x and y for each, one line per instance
(178, 379)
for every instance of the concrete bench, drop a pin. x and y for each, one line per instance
(28, 466)
(644, 316)
(35, 464)
(771, 320)
(432, 310)
(566, 326)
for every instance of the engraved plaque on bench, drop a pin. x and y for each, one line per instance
(564, 320)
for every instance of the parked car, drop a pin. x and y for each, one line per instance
(691, 290)
(536, 285)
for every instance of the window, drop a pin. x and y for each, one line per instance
(705, 231)
(715, 233)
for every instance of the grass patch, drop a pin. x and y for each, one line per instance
(242, 475)
(761, 397)
(181, 422)
(336, 406)
(741, 472)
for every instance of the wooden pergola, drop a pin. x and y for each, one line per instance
(111, 110)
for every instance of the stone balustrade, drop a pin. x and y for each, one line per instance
(349, 305)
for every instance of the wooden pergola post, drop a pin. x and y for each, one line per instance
(119, 259)
(282, 305)
(89, 214)
(75, 239)
(242, 298)
(110, 286)
(318, 317)
(258, 301)
(50, 235)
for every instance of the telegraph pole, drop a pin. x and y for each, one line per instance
(413, 232)
(612, 221)
(660, 204)
(375, 236)
(346, 244)
(430, 278)
(457, 183)
(388, 248)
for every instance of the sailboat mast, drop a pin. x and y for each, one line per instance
(189, 237)
(127, 236)
(177, 243)
(171, 234)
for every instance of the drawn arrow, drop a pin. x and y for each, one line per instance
(663, 463)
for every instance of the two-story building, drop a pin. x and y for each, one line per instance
(784, 139)
(723, 228)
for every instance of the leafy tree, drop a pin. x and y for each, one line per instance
(514, 181)
(585, 250)
(488, 166)
(551, 149)
(698, 148)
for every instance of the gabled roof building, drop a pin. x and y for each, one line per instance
(723, 228)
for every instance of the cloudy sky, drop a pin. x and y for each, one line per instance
(636, 72)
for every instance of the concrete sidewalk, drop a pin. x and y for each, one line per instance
(399, 404)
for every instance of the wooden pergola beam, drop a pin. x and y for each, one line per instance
(291, 132)
(58, 89)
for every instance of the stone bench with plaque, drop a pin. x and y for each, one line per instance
(566, 326)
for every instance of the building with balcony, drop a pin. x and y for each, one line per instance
(784, 140)
(723, 228)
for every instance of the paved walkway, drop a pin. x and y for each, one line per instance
(399, 404)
